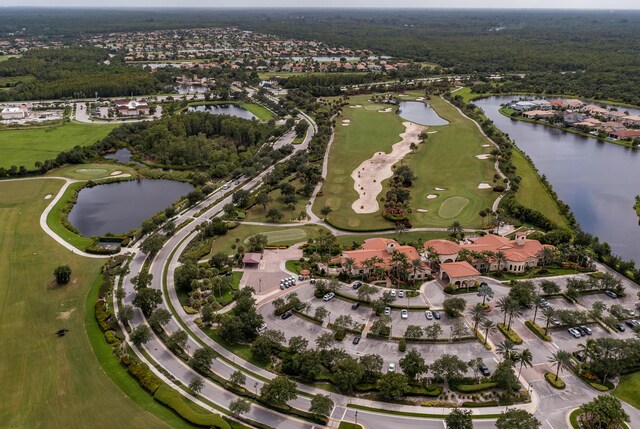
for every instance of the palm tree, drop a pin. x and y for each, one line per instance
(525, 357)
(503, 304)
(455, 229)
(485, 292)
(546, 256)
(560, 360)
(506, 349)
(477, 315)
(501, 258)
(548, 314)
(348, 265)
(416, 264)
(537, 300)
(514, 310)
(433, 257)
(368, 264)
(489, 327)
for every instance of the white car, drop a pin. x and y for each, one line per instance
(329, 296)
(393, 292)
(574, 332)
(404, 314)
(387, 311)
(392, 367)
(428, 314)
(400, 294)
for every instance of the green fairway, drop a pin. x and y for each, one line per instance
(262, 113)
(275, 235)
(25, 147)
(283, 236)
(91, 171)
(628, 389)
(6, 57)
(50, 382)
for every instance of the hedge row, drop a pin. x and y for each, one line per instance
(553, 381)
(493, 403)
(172, 399)
(509, 333)
(480, 337)
(145, 377)
(533, 327)
(467, 388)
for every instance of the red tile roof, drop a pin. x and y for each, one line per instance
(459, 269)
(442, 247)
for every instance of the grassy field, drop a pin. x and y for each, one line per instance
(276, 235)
(532, 193)
(25, 147)
(628, 389)
(50, 382)
(262, 113)
(404, 237)
(370, 131)
(91, 171)
(259, 214)
(6, 57)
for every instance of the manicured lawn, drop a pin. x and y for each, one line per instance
(259, 214)
(628, 389)
(91, 171)
(6, 57)
(275, 234)
(532, 193)
(348, 425)
(25, 147)
(369, 131)
(262, 113)
(54, 220)
(50, 381)
(405, 237)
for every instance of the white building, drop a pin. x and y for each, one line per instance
(15, 112)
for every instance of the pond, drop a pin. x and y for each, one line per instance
(223, 109)
(121, 155)
(598, 180)
(192, 89)
(420, 113)
(121, 207)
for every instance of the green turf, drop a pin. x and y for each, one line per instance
(452, 206)
(258, 213)
(628, 388)
(54, 220)
(349, 425)
(91, 171)
(242, 232)
(404, 237)
(26, 146)
(49, 382)
(6, 57)
(284, 235)
(262, 113)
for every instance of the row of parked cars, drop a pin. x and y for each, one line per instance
(580, 331)
(287, 283)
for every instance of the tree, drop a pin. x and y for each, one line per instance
(413, 332)
(140, 335)
(321, 405)
(62, 274)
(525, 358)
(560, 360)
(202, 359)
(142, 280)
(177, 340)
(263, 199)
(325, 340)
(196, 384)
(274, 215)
(477, 314)
(517, 419)
(413, 364)
(365, 291)
(433, 332)
(372, 366)
(393, 385)
(159, 318)
(147, 299)
(549, 313)
(549, 287)
(459, 419)
(505, 377)
(153, 244)
(297, 344)
(240, 198)
(506, 349)
(485, 292)
(126, 314)
(239, 406)
(604, 411)
(278, 391)
(454, 306)
(348, 372)
(238, 378)
(320, 313)
(324, 211)
(455, 230)
(448, 367)
(263, 346)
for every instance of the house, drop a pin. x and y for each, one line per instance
(631, 121)
(574, 118)
(523, 106)
(15, 112)
(609, 127)
(574, 103)
(251, 260)
(382, 250)
(131, 107)
(624, 134)
(542, 104)
(596, 110)
(460, 274)
(613, 115)
(445, 250)
(538, 114)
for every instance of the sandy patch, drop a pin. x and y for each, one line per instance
(64, 315)
(346, 121)
(422, 210)
(402, 95)
(483, 156)
(115, 173)
(420, 99)
(345, 125)
(440, 189)
(368, 176)
(484, 186)
(431, 196)
(356, 106)
(431, 132)
(387, 110)
(48, 196)
(486, 145)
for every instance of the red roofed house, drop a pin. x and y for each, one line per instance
(382, 249)
(446, 251)
(251, 259)
(460, 274)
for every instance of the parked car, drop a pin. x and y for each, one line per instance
(574, 332)
(400, 294)
(436, 315)
(282, 286)
(393, 292)
(225, 187)
(611, 294)
(387, 311)
(484, 370)
(312, 281)
(329, 296)
(356, 339)
(286, 314)
(404, 314)
(544, 303)
(428, 314)
(580, 356)
(619, 326)
(586, 330)
(262, 328)
(237, 182)
(554, 322)
(357, 285)
(355, 305)
(391, 367)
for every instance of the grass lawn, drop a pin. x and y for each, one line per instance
(26, 146)
(348, 425)
(628, 389)
(405, 237)
(275, 234)
(50, 381)
(261, 112)
(258, 213)
(532, 193)
(90, 171)
(6, 57)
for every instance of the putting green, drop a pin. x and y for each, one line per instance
(452, 206)
(284, 235)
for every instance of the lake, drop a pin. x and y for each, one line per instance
(121, 207)
(598, 180)
(420, 113)
(121, 155)
(223, 109)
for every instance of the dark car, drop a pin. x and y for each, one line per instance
(630, 324)
(619, 326)
(286, 314)
(580, 356)
(436, 315)
(585, 330)
(355, 305)
(610, 294)
(357, 285)
(484, 370)
(356, 340)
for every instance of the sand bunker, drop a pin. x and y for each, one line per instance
(64, 315)
(115, 173)
(431, 196)
(422, 210)
(483, 156)
(420, 99)
(431, 132)
(484, 186)
(368, 176)
(440, 189)
(48, 196)
(486, 145)
(345, 125)
(387, 110)
(346, 121)
(356, 106)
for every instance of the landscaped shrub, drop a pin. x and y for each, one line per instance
(402, 345)
(557, 383)
(102, 315)
(480, 404)
(147, 379)
(475, 387)
(533, 327)
(172, 399)
(433, 390)
(439, 404)
(510, 333)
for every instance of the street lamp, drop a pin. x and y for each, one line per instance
(356, 417)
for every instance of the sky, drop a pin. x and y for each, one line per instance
(519, 4)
